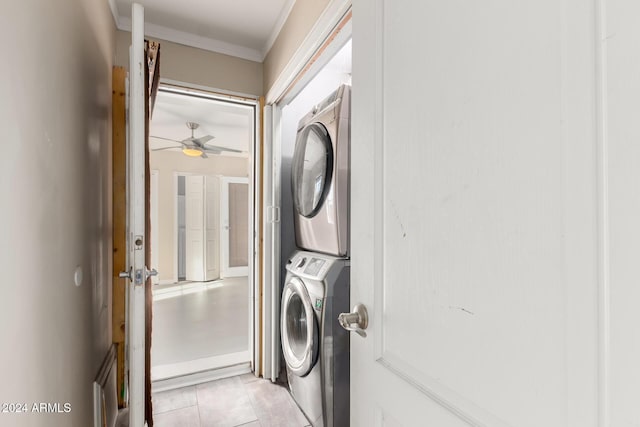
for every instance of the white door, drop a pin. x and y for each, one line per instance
(136, 243)
(234, 218)
(494, 207)
(194, 226)
(212, 227)
(271, 241)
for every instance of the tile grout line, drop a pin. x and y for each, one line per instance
(253, 407)
(195, 390)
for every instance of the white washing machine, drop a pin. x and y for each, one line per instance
(320, 176)
(315, 346)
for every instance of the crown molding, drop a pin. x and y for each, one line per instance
(114, 12)
(321, 30)
(213, 45)
(193, 40)
(275, 32)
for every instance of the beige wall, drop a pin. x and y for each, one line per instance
(166, 163)
(301, 20)
(201, 67)
(55, 187)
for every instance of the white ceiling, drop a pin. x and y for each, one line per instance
(242, 28)
(231, 124)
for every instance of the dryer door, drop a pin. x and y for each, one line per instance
(299, 328)
(311, 169)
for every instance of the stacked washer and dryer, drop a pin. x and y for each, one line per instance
(316, 290)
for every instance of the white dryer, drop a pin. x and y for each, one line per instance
(320, 176)
(314, 345)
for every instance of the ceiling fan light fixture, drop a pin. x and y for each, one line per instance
(191, 151)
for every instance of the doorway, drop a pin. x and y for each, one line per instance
(203, 317)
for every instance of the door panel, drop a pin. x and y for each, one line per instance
(483, 247)
(194, 213)
(212, 228)
(234, 220)
(136, 221)
(238, 224)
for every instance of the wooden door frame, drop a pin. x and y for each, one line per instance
(119, 234)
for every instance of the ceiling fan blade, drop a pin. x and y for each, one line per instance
(204, 155)
(166, 139)
(203, 139)
(219, 149)
(164, 148)
(212, 151)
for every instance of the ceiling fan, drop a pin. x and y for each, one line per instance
(196, 147)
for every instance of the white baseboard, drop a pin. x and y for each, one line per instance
(199, 377)
(174, 370)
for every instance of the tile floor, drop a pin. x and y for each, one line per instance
(237, 401)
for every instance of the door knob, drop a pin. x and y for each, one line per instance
(150, 273)
(356, 321)
(125, 274)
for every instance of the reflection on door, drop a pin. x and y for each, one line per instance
(182, 230)
(235, 226)
(238, 223)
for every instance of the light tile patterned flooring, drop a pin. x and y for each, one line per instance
(237, 401)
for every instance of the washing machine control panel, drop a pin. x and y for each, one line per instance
(314, 266)
(301, 263)
(309, 265)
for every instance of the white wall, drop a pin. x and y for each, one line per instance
(200, 67)
(55, 187)
(299, 23)
(168, 162)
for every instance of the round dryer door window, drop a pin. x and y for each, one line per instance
(311, 169)
(298, 328)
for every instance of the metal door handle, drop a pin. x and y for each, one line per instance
(125, 274)
(356, 321)
(149, 273)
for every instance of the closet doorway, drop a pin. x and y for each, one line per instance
(204, 300)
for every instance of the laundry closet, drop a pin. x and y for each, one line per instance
(315, 263)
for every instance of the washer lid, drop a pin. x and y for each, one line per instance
(311, 169)
(299, 328)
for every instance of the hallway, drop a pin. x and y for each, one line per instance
(236, 401)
